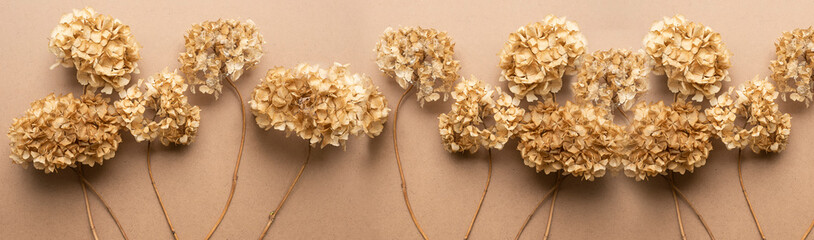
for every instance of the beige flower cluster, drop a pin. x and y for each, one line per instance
(692, 56)
(319, 105)
(577, 139)
(59, 132)
(464, 127)
(100, 47)
(536, 57)
(178, 120)
(770, 128)
(422, 57)
(611, 78)
(220, 50)
(662, 138)
(795, 62)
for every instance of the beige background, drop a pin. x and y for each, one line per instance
(355, 194)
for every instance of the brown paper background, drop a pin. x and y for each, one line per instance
(355, 193)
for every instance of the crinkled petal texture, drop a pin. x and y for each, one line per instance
(667, 138)
(536, 57)
(575, 139)
(219, 50)
(419, 56)
(175, 121)
(59, 132)
(612, 78)
(101, 48)
(792, 70)
(319, 105)
(463, 128)
(768, 128)
(692, 55)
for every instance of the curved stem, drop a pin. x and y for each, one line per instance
(809, 231)
(678, 211)
(87, 207)
(485, 189)
(553, 188)
(109, 211)
(398, 161)
(273, 214)
(155, 188)
(237, 163)
(551, 213)
(746, 196)
(680, 194)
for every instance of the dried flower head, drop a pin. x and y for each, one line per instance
(59, 132)
(535, 58)
(692, 56)
(667, 138)
(795, 62)
(177, 120)
(770, 128)
(612, 78)
(464, 128)
(219, 50)
(100, 47)
(419, 56)
(319, 105)
(576, 139)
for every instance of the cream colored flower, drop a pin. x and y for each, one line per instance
(667, 138)
(178, 120)
(612, 78)
(770, 128)
(692, 55)
(319, 105)
(100, 47)
(794, 63)
(463, 128)
(59, 132)
(422, 57)
(219, 50)
(535, 58)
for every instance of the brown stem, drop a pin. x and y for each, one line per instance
(485, 189)
(627, 120)
(109, 211)
(687, 200)
(809, 230)
(273, 214)
(87, 206)
(678, 212)
(746, 196)
(551, 213)
(237, 163)
(553, 188)
(155, 188)
(398, 161)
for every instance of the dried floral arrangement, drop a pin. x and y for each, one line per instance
(320, 106)
(615, 78)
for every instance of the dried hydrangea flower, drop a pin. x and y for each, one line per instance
(178, 120)
(319, 105)
(574, 138)
(612, 78)
(795, 62)
(421, 57)
(692, 55)
(101, 48)
(667, 138)
(536, 57)
(770, 128)
(218, 50)
(59, 132)
(463, 128)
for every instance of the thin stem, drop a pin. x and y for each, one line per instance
(553, 188)
(87, 206)
(398, 161)
(274, 214)
(551, 213)
(678, 211)
(680, 194)
(627, 120)
(809, 231)
(155, 188)
(109, 211)
(237, 163)
(485, 189)
(746, 196)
